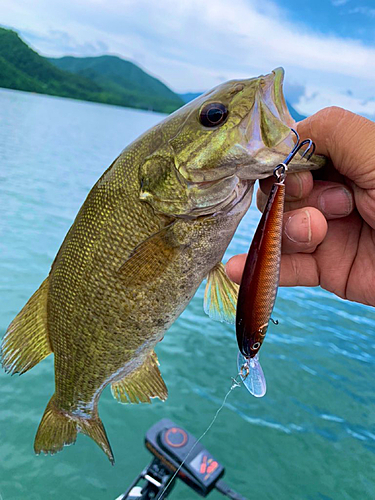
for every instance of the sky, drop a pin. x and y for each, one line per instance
(327, 47)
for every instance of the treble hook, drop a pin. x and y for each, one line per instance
(280, 171)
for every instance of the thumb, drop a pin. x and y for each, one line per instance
(347, 139)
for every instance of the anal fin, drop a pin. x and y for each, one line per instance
(26, 341)
(142, 384)
(220, 295)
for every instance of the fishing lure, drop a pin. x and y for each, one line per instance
(260, 279)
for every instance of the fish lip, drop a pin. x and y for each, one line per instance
(316, 161)
(270, 96)
(270, 92)
(280, 102)
(262, 165)
(264, 151)
(269, 123)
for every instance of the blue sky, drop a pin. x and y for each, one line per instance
(327, 47)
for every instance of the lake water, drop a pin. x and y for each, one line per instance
(311, 437)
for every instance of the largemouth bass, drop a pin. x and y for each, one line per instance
(155, 224)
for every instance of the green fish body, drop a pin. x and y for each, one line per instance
(152, 228)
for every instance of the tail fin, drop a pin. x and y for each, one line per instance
(26, 341)
(58, 429)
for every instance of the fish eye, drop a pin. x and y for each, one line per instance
(213, 114)
(255, 346)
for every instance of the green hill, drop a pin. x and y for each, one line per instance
(130, 84)
(105, 79)
(22, 68)
(189, 96)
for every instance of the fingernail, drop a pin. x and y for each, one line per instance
(293, 187)
(335, 201)
(298, 227)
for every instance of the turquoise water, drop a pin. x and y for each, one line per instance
(311, 437)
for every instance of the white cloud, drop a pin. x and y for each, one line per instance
(366, 11)
(193, 45)
(67, 44)
(338, 3)
(315, 99)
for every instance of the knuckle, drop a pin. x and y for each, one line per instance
(295, 269)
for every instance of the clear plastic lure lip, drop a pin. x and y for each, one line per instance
(252, 375)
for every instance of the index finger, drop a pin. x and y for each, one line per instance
(348, 139)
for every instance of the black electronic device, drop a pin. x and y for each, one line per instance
(172, 446)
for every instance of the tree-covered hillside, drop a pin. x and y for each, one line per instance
(122, 78)
(22, 68)
(105, 79)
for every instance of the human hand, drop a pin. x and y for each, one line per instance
(329, 224)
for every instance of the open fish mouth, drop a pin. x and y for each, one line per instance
(267, 132)
(265, 140)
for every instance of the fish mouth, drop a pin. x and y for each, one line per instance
(267, 132)
(266, 140)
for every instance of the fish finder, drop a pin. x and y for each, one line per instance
(172, 446)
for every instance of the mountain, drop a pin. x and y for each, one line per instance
(130, 84)
(189, 96)
(105, 79)
(22, 68)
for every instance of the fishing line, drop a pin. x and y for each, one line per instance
(235, 383)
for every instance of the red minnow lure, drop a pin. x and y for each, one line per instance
(260, 281)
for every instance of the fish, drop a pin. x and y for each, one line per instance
(155, 224)
(258, 290)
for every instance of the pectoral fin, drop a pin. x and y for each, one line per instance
(26, 341)
(149, 259)
(142, 384)
(220, 296)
